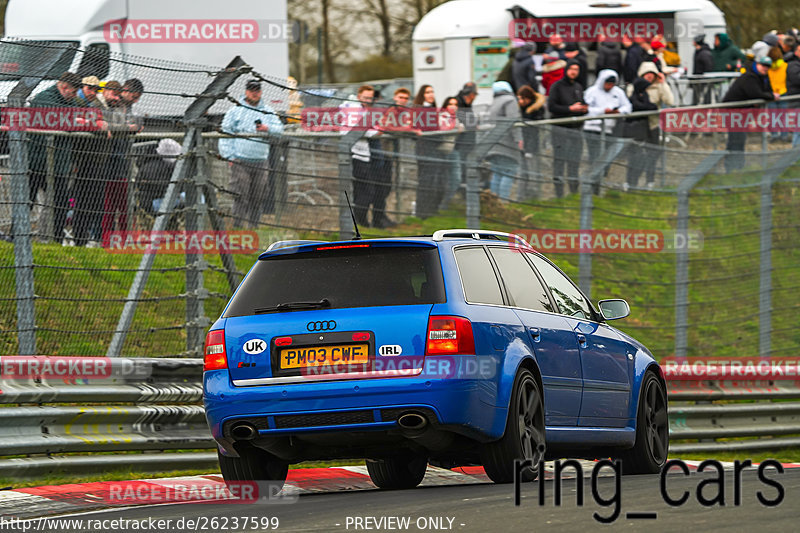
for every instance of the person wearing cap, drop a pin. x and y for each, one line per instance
(603, 98)
(91, 153)
(249, 157)
(566, 100)
(122, 124)
(754, 84)
(62, 94)
(761, 48)
(465, 142)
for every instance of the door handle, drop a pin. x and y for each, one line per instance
(535, 334)
(582, 340)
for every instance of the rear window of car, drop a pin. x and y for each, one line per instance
(358, 277)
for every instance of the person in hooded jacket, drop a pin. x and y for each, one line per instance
(504, 155)
(640, 157)
(609, 56)
(726, 55)
(603, 98)
(643, 158)
(751, 85)
(703, 62)
(566, 100)
(575, 52)
(524, 69)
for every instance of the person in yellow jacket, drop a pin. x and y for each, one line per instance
(777, 77)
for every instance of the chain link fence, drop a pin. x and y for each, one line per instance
(193, 155)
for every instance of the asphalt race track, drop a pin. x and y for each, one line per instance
(478, 507)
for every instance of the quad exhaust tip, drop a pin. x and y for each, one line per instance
(244, 431)
(412, 421)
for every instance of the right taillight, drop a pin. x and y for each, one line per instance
(449, 335)
(215, 357)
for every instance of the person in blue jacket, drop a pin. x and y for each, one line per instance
(249, 156)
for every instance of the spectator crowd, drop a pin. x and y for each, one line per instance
(91, 173)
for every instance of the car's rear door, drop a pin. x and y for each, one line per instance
(605, 360)
(549, 334)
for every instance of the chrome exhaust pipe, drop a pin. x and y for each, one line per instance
(244, 431)
(412, 421)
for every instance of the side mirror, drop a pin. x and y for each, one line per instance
(614, 309)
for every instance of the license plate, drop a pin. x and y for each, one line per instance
(349, 354)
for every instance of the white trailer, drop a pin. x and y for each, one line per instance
(86, 24)
(465, 40)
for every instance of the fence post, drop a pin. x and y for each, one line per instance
(346, 229)
(682, 259)
(48, 210)
(765, 246)
(611, 149)
(23, 248)
(193, 118)
(196, 293)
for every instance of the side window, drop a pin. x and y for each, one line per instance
(523, 286)
(477, 275)
(569, 299)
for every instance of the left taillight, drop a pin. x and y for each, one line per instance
(215, 357)
(449, 335)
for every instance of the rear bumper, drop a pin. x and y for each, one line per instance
(464, 405)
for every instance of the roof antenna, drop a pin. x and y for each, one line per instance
(353, 216)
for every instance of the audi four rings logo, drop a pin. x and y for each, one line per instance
(321, 325)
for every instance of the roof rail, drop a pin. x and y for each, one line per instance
(287, 244)
(478, 234)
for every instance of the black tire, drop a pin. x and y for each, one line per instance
(524, 437)
(404, 472)
(254, 464)
(649, 453)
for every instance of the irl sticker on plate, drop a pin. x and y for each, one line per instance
(390, 349)
(254, 346)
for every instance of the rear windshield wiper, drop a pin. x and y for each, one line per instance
(287, 306)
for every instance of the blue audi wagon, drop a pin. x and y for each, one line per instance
(466, 347)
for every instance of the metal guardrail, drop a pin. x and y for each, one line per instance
(136, 414)
(125, 406)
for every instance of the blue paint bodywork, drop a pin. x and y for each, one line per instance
(590, 372)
